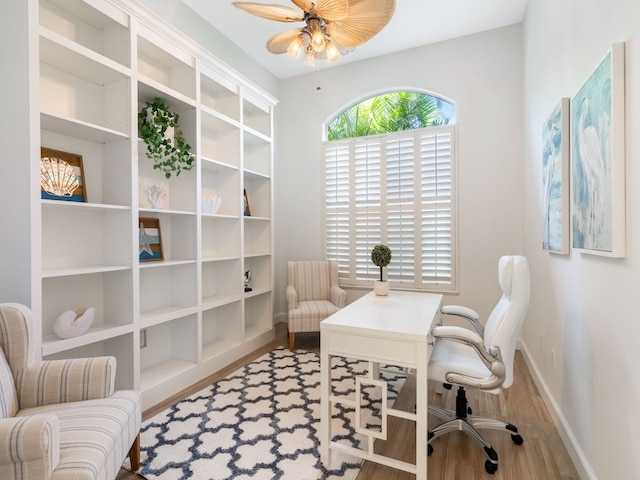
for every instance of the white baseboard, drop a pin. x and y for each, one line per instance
(280, 318)
(578, 457)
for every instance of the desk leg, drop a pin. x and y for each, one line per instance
(325, 403)
(421, 414)
(375, 370)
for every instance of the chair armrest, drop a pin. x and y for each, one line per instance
(61, 381)
(459, 334)
(338, 296)
(33, 442)
(292, 297)
(466, 313)
(492, 359)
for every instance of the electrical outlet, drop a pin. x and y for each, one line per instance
(553, 358)
(143, 338)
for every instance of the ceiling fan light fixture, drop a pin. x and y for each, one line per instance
(332, 28)
(318, 41)
(332, 51)
(309, 57)
(295, 47)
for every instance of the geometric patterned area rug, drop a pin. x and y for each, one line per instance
(260, 423)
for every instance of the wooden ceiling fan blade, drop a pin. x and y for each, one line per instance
(366, 19)
(327, 9)
(333, 9)
(281, 41)
(270, 11)
(303, 4)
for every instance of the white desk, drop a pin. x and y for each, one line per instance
(394, 330)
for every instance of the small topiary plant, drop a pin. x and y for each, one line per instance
(381, 256)
(170, 155)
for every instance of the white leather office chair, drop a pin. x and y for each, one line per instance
(482, 358)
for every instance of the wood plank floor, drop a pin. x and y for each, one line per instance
(456, 457)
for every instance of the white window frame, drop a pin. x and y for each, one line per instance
(360, 167)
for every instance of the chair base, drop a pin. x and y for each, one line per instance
(464, 421)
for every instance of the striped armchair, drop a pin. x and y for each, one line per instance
(313, 294)
(60, 419)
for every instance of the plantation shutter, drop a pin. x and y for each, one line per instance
(437, 241)
(395, 189)
(338, 246)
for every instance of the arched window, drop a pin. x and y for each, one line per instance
(391, 112)
(390, 178)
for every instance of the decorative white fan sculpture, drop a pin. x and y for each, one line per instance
(331, 27)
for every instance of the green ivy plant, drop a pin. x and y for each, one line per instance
(381, 256)
(170, 156)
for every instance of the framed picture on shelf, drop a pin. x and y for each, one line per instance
(247, 209)
(61, 176)
(150, 240)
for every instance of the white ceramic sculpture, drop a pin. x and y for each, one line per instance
(155, 195)
(71, 324)
(211, 204)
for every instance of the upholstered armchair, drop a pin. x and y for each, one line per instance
(60, 419)
(313, 294)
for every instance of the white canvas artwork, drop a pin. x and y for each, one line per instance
(597, 159)
(555, 179)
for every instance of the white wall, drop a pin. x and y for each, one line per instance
(584, 306)
(176, 13)
(482, 74)
(17, 195)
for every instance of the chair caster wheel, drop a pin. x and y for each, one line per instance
(429, 450)
(490, 467)
(517, 439)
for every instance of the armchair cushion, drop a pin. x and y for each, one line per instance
(58, 381)
(95, 435)
(308, 315)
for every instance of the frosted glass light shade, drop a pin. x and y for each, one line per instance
(331, 51)
(295, 47)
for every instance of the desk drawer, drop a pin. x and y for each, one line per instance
(376, 349)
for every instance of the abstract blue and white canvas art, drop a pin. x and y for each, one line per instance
(555, 178)
(597, 159)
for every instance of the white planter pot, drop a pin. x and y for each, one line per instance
(381, 288)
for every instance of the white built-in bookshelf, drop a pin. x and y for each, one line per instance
(172, 322)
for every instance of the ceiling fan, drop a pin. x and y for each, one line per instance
(331, 27)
